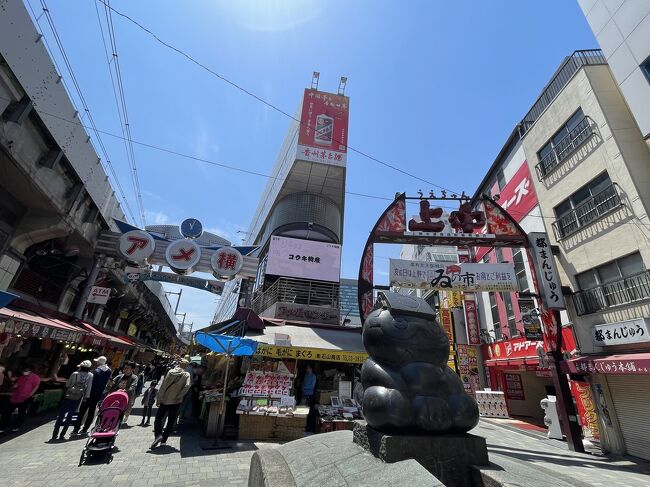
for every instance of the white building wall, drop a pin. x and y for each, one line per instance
(622, 28)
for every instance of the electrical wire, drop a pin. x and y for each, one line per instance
(82, 99)
(124, 119)
(260, 99)
(268, 176)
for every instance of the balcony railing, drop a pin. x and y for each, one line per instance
(624, 291)
(588, 212)
(299, 291)
(580, 134)
(565, 72)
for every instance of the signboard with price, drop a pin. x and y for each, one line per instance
(304, 353)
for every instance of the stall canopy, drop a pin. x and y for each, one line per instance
(30, 324)
(230, 345)
(108, 339)
(243, 319)
(6, 298)
(327, 344)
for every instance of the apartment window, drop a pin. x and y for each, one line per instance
(501, 179)
(520, 270)
(566, 140)
(586, 205)
(645, 68)
(496, 323)
(620, 281)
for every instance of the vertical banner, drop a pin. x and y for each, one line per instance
(471, 320)
(532, 325)
(447, 323)
(468, 367)
(587, 409)
(548, 278)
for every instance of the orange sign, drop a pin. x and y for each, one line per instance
(447, 323)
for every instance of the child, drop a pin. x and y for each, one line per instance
(148, 401)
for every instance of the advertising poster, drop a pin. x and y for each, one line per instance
(514, 387)
(447, 323)
(292, 257)
(323, 135)
(458, 277)
(468, 367)
(532, 325)
(258, 383)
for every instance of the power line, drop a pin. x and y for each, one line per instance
(260, 99)
(82, 99)
(124, 119)
(268, 176)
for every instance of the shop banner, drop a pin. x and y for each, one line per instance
(621, 333)
(471, 320)
(468, 367)
(441, 276)
(513, 349)
(306, 259)
(632, 364)
(99, 295)
(586, 408)
(447, 323)
(258, 383)
(323, 132)
(546, 272)
(303, 353)
(514, 387)
(24, 328)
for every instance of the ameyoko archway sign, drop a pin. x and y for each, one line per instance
(183, 256)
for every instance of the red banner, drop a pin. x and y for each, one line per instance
(447, 323)
(471, 320)
(324, 128)
(586, 408)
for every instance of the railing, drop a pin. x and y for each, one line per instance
(624, 291)
(299, 291)
(580, 134)
(588, 212)
(562, 76)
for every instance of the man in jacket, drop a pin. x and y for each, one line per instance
(101, 376)
(170, 395)
(131, 384)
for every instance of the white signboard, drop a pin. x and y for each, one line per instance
(621, 333)
(439, 275)
(292, 257)
(226, 262)
(137, 246)
(546, 272)
(183, 255)
(99, 295)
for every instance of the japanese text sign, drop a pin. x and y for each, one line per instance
(621, 333)
(546, 271)
(323, 128)
(99, 295)
(447, 323)
(304, 353)
(292, 257)
(471, 320)
(514, 387)
(445, 276)
(518, 196)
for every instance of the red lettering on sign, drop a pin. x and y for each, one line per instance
(136, 243)
(185, 255)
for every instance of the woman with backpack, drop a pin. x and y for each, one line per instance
(78, 388)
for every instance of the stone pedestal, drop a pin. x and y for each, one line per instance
(448, 457)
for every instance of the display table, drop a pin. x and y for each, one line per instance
(271, 427)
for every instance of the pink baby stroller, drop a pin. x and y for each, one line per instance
(101, 438)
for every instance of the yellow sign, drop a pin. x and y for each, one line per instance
(303, 353)
(451, 363)
(132, 330)
(455, 299)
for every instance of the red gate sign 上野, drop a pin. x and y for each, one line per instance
(137, 246)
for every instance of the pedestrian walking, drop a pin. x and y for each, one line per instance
(139, 371)
(78, 388)
(131, 380)
(101, 376)
(148, 400)
(21, 398)
(172, 390)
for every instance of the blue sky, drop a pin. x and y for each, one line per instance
(435, 88)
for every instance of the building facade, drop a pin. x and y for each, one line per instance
(348, 302)
(592, 184)
(56, 199)
(622, 28)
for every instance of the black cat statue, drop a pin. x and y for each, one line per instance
(408, 386)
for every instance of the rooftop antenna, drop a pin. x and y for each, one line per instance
(314, 80)
(342, 84)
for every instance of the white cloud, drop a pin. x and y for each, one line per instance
(156, 217)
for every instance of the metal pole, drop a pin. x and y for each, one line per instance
(222, 412)
(90, 282)
(178, 301)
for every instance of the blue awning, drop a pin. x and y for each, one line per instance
(229, 345)
(6, 298)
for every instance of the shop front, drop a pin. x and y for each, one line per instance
(517, 368)
(301, 378)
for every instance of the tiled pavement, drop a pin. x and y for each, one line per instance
(28, 459)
